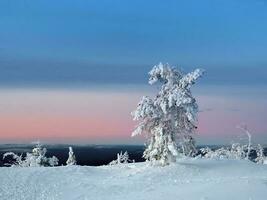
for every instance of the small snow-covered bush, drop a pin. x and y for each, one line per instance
(17, 159)
(121, 158)
(216, 154)
(71, 159)
(261, 158)
(237, 151)
(36, 158)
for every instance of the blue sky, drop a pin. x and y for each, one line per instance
(58, 42)
(51, 46)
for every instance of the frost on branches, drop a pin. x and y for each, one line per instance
(170, 116)
(121, 158)
(72, 159)
(36, 158)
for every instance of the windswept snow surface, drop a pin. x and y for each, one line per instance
(187, 179)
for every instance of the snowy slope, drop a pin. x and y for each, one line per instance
(187, 179)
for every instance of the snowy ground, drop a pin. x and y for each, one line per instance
(187, 179)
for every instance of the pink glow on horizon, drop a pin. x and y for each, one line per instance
(105, 115)
(35, 127)
(64, 115)
(225, 113)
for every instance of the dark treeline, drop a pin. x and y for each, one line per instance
(90, 155)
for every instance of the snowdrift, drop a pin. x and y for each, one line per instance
(187, 179)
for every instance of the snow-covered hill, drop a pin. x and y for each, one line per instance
(187, 179)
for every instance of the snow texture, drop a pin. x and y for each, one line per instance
(187, 179)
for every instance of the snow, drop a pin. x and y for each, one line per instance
(187, 179)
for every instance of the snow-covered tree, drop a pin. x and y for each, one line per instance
(121, 158)
(221, 153)
(261, 158)
(245, 129)
(170, 117)
(36, 158)
(72, 159)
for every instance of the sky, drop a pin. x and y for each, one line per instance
(72, 71)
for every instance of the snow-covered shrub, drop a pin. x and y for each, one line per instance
(71, 159)
(170, 118)
(261, 158)
(237, 151)
(36, 158)
(121, 158)
(17, 159)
